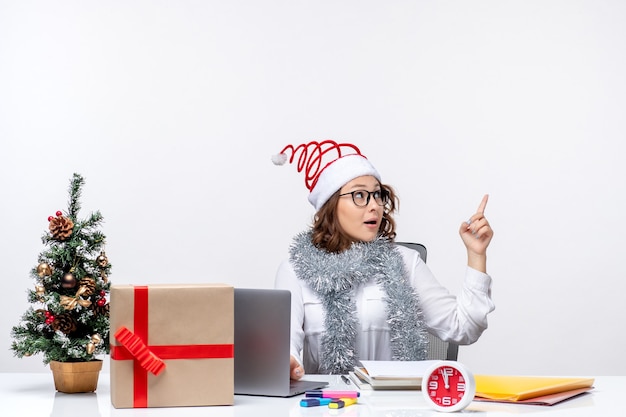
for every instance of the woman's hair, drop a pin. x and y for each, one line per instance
(328, 234)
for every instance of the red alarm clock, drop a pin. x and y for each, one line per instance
(448, 386)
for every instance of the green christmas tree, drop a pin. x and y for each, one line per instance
(68, 320)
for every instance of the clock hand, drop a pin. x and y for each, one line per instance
(444, 373)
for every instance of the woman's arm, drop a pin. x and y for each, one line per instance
(459, 319)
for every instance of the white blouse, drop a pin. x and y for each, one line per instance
(459, 319)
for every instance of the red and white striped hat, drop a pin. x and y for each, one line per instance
(327, 167)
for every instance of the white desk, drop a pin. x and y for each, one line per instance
(33, 394)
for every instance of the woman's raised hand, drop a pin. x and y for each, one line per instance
(476, 234)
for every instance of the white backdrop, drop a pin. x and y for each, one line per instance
(171, 111)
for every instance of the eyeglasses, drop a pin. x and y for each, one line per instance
(361, 198)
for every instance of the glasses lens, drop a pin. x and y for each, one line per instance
(381, 197)
(360, 198)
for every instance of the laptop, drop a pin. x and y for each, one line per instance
(262, 334)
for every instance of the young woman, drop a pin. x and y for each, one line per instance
(355, 294)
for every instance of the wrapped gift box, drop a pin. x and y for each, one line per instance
(172, 345)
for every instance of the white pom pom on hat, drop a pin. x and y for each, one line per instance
(279, 159)
(327, 167)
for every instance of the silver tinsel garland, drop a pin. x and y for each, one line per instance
(334, 276)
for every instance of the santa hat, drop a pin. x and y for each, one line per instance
(327, 167)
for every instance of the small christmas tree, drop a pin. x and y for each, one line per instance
(70, 320)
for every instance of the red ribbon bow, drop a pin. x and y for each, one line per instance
(146, 358)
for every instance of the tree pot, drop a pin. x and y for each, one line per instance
(71, 377)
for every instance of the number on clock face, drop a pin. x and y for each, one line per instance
(446, 386)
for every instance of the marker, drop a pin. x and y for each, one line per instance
(342, 402)
(332, 394)
(314, 402)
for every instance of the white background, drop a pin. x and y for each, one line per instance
(171, 111)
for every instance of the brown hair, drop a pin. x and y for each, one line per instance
(328, 234)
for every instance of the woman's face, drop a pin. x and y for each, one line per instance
(360, 223)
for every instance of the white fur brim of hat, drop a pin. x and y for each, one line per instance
(338, 174)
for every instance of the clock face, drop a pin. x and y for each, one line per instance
(448, 386)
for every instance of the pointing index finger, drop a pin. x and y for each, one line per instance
(483, 204)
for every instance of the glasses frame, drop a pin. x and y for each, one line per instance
(384, 197)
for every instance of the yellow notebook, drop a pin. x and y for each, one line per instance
(518, 388)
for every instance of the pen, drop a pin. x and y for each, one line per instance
(342, 402)
(345, 379)
(332, 394)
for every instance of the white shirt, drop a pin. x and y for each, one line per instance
(459, 319)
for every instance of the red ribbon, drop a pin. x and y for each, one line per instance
(150, 358)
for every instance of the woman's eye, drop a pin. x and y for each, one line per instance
(377, 194)
(359, 194)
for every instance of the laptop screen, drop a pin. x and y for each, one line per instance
(262, 333)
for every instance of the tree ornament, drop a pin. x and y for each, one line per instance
(88, 284)
(101, 302)
(90, 348)
(96, 339)
(49, 317)
(64, 323)
(44, 270)
(100, 310)
(70, 303)
(59, 213)
(61, 227)
(40, 290)
(68, 281)
(102, 260)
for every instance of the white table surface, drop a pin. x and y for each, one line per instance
(33, 394)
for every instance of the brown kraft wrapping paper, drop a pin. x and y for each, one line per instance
(183, 331)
